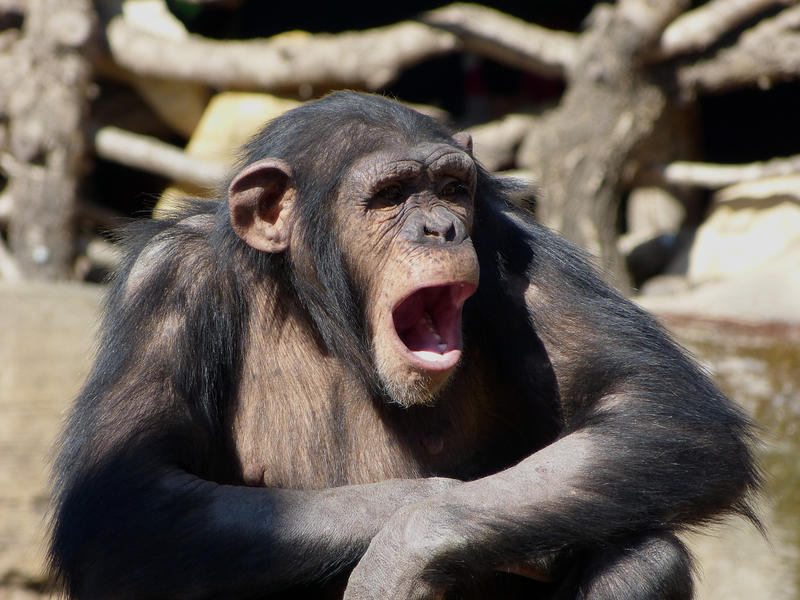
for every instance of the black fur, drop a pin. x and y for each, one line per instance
(147, 503)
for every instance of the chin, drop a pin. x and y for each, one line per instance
(412, 387)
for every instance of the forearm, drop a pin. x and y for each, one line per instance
(588, 489)
(495, 523)
(584, 492)
(193, 538)
(516, 514)
(308, 534)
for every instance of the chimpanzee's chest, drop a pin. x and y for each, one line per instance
(320, 435)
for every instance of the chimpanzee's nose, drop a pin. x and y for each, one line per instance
(445, 232)
(440, 226)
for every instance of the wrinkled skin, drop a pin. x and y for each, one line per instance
(416, 206)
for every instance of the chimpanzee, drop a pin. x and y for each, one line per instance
(366, 372)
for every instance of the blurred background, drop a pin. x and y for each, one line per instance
(663, 137)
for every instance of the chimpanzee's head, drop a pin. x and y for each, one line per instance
(372, 205)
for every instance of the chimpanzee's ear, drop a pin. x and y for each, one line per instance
(261, 200)
(463, 139)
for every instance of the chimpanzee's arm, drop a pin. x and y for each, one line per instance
(649, 446)
(172, 535)
(137, 513)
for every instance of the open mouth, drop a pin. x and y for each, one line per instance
(428, 323)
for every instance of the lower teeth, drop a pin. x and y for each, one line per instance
(428, 320)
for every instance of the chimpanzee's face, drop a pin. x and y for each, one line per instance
(405, 216)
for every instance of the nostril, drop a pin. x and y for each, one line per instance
(449, 234)
(440, 232)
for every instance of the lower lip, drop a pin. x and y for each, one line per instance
(431, 361)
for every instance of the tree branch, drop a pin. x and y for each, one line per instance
(784, 186)
(14, 6)
(101, 216)
(697, 29)
(367, 60)
(9, 270)
(152, 155)
(224, 3)
(506, 39)
(496, 143)
(713, 176)
(649, 17)
(6, 206)
(767, 53)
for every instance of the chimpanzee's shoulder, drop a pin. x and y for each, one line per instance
(158, 253)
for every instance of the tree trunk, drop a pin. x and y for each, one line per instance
(584, 152)
(46, 84)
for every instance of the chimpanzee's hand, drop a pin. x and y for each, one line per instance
(360, 512)
(427, 546)
(400, 563)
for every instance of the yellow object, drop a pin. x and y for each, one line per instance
(230, 120)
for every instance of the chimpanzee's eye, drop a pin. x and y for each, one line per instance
(390, 195)
(453, 189)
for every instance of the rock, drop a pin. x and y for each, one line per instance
(764, 292)
(47, 334)
(750, 226)
(744, 264)
(761, 189)
(666, 284)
